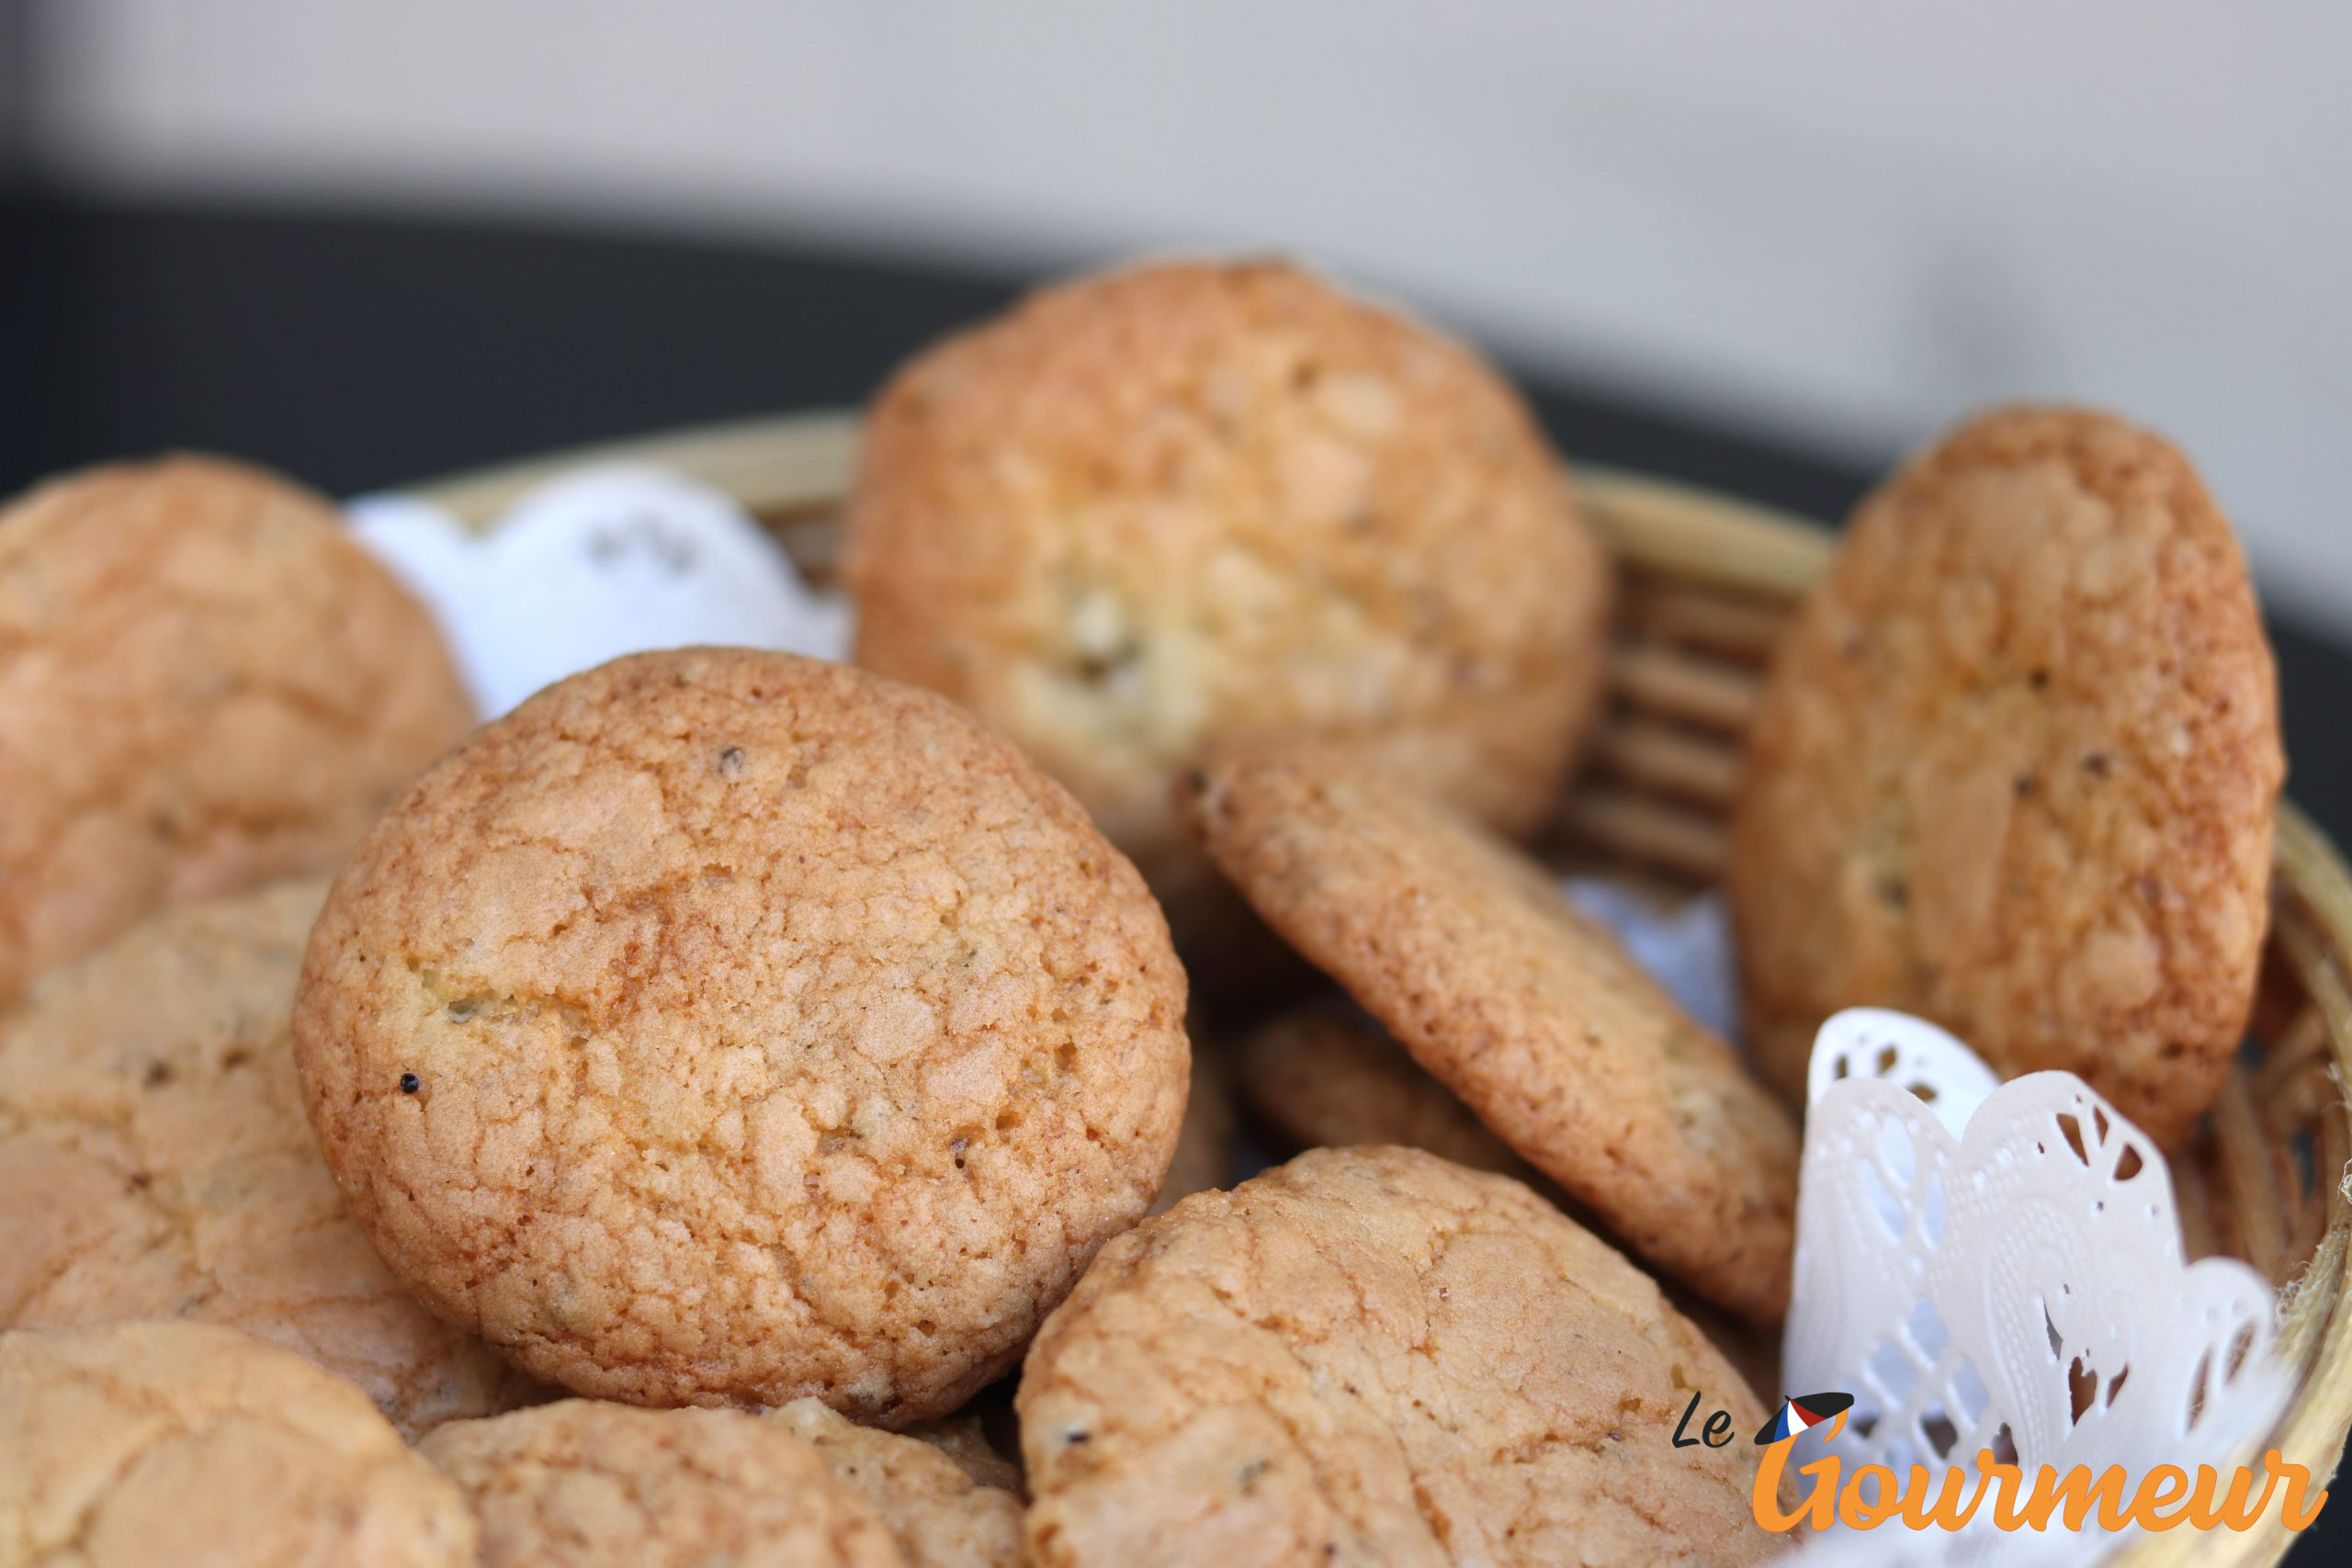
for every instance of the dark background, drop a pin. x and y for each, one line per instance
(359, 352)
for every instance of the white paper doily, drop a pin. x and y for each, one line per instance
(2000, 1266)
(593, 565)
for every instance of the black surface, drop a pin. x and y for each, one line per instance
(360, 353)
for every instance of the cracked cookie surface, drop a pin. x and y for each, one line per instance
(1187, 501)
(205, 686)
(585, 1485)
(726, 1027)
(1372, 1356)
(941, 1514)
(183, 1445)
(2015, 768)
(157, 1164)
(1469, 955)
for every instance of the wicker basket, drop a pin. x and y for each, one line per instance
(1708, 583)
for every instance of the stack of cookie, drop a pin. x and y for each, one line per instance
(737, 1107)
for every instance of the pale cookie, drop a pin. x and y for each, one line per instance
(1204, 1141)
(2015, 771)
(723, 1027)
(937, 1512)
(964, 1440)
(1322, 1079)
(204, 686)
(1319, 1079)
(583, 1484)
(184, 1445)
(1190, 499)
(157, 1164)
(1469, 955)
(1373, 1357)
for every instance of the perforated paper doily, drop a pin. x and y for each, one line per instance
(596, 564)
(2000, 1266)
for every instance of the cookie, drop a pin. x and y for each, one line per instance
(1203, 1156)
(965, 1439)
(722, 1027)
(205, 686)
(157, 1164)
(1193, 499)
(2015, 771)
(1372, 1356)
(179, 1443)
(941, 1515)
(1468, 954)
(1320, 1080)
(585, 1485)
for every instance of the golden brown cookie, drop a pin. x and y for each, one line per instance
(1321, 1080)
(1316, 1079)
(1191, 500)
(1470, 956)
(964, 1440)
(157, 1164)
(1372, 1356)
(204, 686)
(185, 1444)
(2015, 771)
(937, 1512)
(1203, 1156)
(585, 1485)
(724, 1027)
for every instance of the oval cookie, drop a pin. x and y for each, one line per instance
(2015, 768)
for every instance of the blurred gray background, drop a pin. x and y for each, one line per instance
(1833, 223)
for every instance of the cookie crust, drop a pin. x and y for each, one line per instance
(1468, 954)
(726, 1027)
(2016, 770)
(205, 686)
(158, 1164)
(1194, 499)
(1321, 1080)
(939, 1513)
(585, 1485)
(1371, 1356)
(170, 1443)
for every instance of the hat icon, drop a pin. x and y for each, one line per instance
(1805, 1410)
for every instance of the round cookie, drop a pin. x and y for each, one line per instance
(583, 1484)
(1372, 1356)
(941, 1515)
(1472, 959)
(158, 1165)
(1322, 1080)
(183, 1445)
(722, 1027)
(204, 686)
(1190, 499)
(2015, 771)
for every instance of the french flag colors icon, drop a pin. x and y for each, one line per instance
(1807, 1410)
